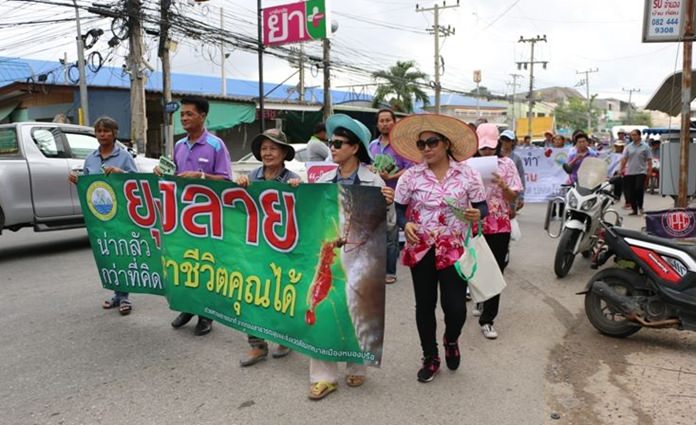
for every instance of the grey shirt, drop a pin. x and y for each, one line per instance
(637, 157)
(283, 177)
(318, 151)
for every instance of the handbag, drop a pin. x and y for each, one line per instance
(484, 277)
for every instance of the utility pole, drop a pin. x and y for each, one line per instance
(589, 100)
(84, 117)
(630, 105)
(514, 85)
(135, 59)
(437, 30)
(302, 74)
(531, 63)
(222, 54)
(682, 198)
(326, 44)
(259, 18)
(163, 52)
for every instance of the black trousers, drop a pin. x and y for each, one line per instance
(499, 243)
(452, 299)
(634, 190)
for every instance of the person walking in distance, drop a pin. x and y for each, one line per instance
(390, 167)
(636, 165)
(199, 155)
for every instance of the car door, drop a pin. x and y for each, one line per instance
(49, 168)
(79, 146)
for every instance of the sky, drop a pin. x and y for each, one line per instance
(582, 34)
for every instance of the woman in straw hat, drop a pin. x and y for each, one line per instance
(504, 187)
(271, 148)
(434, 235)
(349, 140)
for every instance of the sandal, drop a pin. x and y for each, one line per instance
(390, 279)
(125, 308)
(321, 389)
(112, 303)
(355, 380)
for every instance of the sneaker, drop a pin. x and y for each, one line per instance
(478, 310)
(489, 331)
(280, 351)
(452, 355)
(254, 355)
(431, 366)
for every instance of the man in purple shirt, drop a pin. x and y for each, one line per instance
(199, 155)
(380, 146)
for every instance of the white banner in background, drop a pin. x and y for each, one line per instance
(543, 172)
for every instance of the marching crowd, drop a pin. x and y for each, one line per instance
(419, 164)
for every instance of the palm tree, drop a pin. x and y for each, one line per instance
(403, 83)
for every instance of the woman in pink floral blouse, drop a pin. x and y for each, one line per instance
(434, 236)
(504, 188)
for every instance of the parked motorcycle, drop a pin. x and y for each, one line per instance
(586, 202)
(652, 285)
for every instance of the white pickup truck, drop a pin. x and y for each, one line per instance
(35, 159)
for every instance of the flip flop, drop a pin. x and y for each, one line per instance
(355, 380)
(321, 389)
(390, 279)
(125, 308)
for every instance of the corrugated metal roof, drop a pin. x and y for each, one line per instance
(667, 98)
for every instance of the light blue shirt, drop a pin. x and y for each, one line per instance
(119, 158)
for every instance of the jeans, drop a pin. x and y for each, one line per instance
(452, 299)
(392, 249)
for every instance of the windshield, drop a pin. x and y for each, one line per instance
(592, 172)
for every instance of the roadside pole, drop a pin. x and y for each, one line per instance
(682, 199)
(81, 68)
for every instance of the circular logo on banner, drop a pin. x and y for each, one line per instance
(678, 224)
(101, 200)
(561, 158)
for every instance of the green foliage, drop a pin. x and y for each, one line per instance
(641, 118)
(401, 85)
(573, 114)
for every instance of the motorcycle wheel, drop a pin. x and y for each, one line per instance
(564, 252)
(601, 315)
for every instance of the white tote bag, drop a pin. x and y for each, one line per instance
(478, 266)
(516, 232)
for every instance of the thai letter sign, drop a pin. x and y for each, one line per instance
(665, 21)
(295, 23)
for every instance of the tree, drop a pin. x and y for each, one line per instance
(481, 92)
(573, 115)
(641, 118)
(402, 85)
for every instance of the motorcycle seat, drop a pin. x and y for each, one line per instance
(627, 233)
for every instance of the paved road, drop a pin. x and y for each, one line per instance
(64, 360)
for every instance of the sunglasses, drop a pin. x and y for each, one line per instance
(336, 144)
(431, 143)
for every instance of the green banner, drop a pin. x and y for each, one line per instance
(123, 227)
(303, 267)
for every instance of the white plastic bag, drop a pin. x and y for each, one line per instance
(484, 277)
(516, 232)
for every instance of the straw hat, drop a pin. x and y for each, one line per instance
(406, 132)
